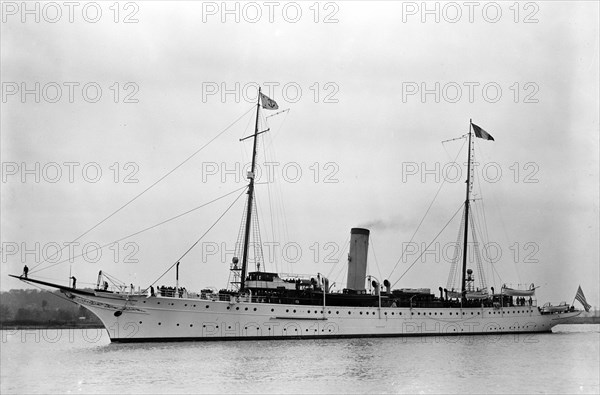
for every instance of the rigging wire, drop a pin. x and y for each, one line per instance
(426, 248)
(198, 241)
(138, 232)
(338, 260)
(147, 189)
(424, 216)
(375, 256)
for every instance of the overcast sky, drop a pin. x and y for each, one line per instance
(372, 88)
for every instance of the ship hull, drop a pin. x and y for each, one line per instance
(137, 318)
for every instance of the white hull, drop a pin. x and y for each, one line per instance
(170, 319)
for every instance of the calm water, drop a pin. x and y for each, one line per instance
(84, 361)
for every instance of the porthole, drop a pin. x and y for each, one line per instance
(191, 325)
(159, 323)
(237, 308)
(177, 324)
(272, 310)
(140, 322)
(207, 306)
(349, 312)
(246, 309)
(185, 304)
(255, 309)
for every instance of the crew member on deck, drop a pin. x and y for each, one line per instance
(25, 271)
(74, 281)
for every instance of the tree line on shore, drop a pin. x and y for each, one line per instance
(31, 307)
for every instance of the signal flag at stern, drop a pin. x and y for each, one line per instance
(581, 298)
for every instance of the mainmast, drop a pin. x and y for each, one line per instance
(467, 200)
(250, 199)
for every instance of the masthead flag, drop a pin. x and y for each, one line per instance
(268, 103)
(581, 298)
(482, 134)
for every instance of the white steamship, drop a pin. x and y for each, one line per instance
(266, 305)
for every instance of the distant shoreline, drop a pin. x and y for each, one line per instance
(9, 326)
